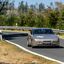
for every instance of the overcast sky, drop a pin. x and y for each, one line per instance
(46, 2)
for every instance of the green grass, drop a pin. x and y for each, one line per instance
(61, 36)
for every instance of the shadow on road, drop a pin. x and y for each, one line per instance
(11, 36)
(48, 47)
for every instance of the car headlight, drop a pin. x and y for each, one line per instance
(36, 39)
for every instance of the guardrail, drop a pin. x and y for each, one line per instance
(58, 31)
(16, 27)
(27, 28)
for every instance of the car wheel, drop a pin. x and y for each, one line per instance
(29, 45)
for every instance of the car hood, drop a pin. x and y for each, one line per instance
(46, 36)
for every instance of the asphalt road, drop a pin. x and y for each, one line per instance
(52, 52)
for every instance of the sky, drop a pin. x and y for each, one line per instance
(46, 2)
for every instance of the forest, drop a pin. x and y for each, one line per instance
(34, 15)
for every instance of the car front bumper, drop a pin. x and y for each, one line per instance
(46, 43)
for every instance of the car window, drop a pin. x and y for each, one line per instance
(42, 31)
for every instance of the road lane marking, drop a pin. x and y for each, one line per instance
(51, 59)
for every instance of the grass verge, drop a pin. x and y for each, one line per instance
(61, 36)
(23, 31)
(10, 54)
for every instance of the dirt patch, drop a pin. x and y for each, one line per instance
(10, 54)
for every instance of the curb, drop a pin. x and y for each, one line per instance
(35, 53)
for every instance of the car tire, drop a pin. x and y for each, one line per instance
(29, 45)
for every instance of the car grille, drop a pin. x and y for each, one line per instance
(45, 42)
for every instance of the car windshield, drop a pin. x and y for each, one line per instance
(42, 31)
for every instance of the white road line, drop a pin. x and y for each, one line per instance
(35, 53)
